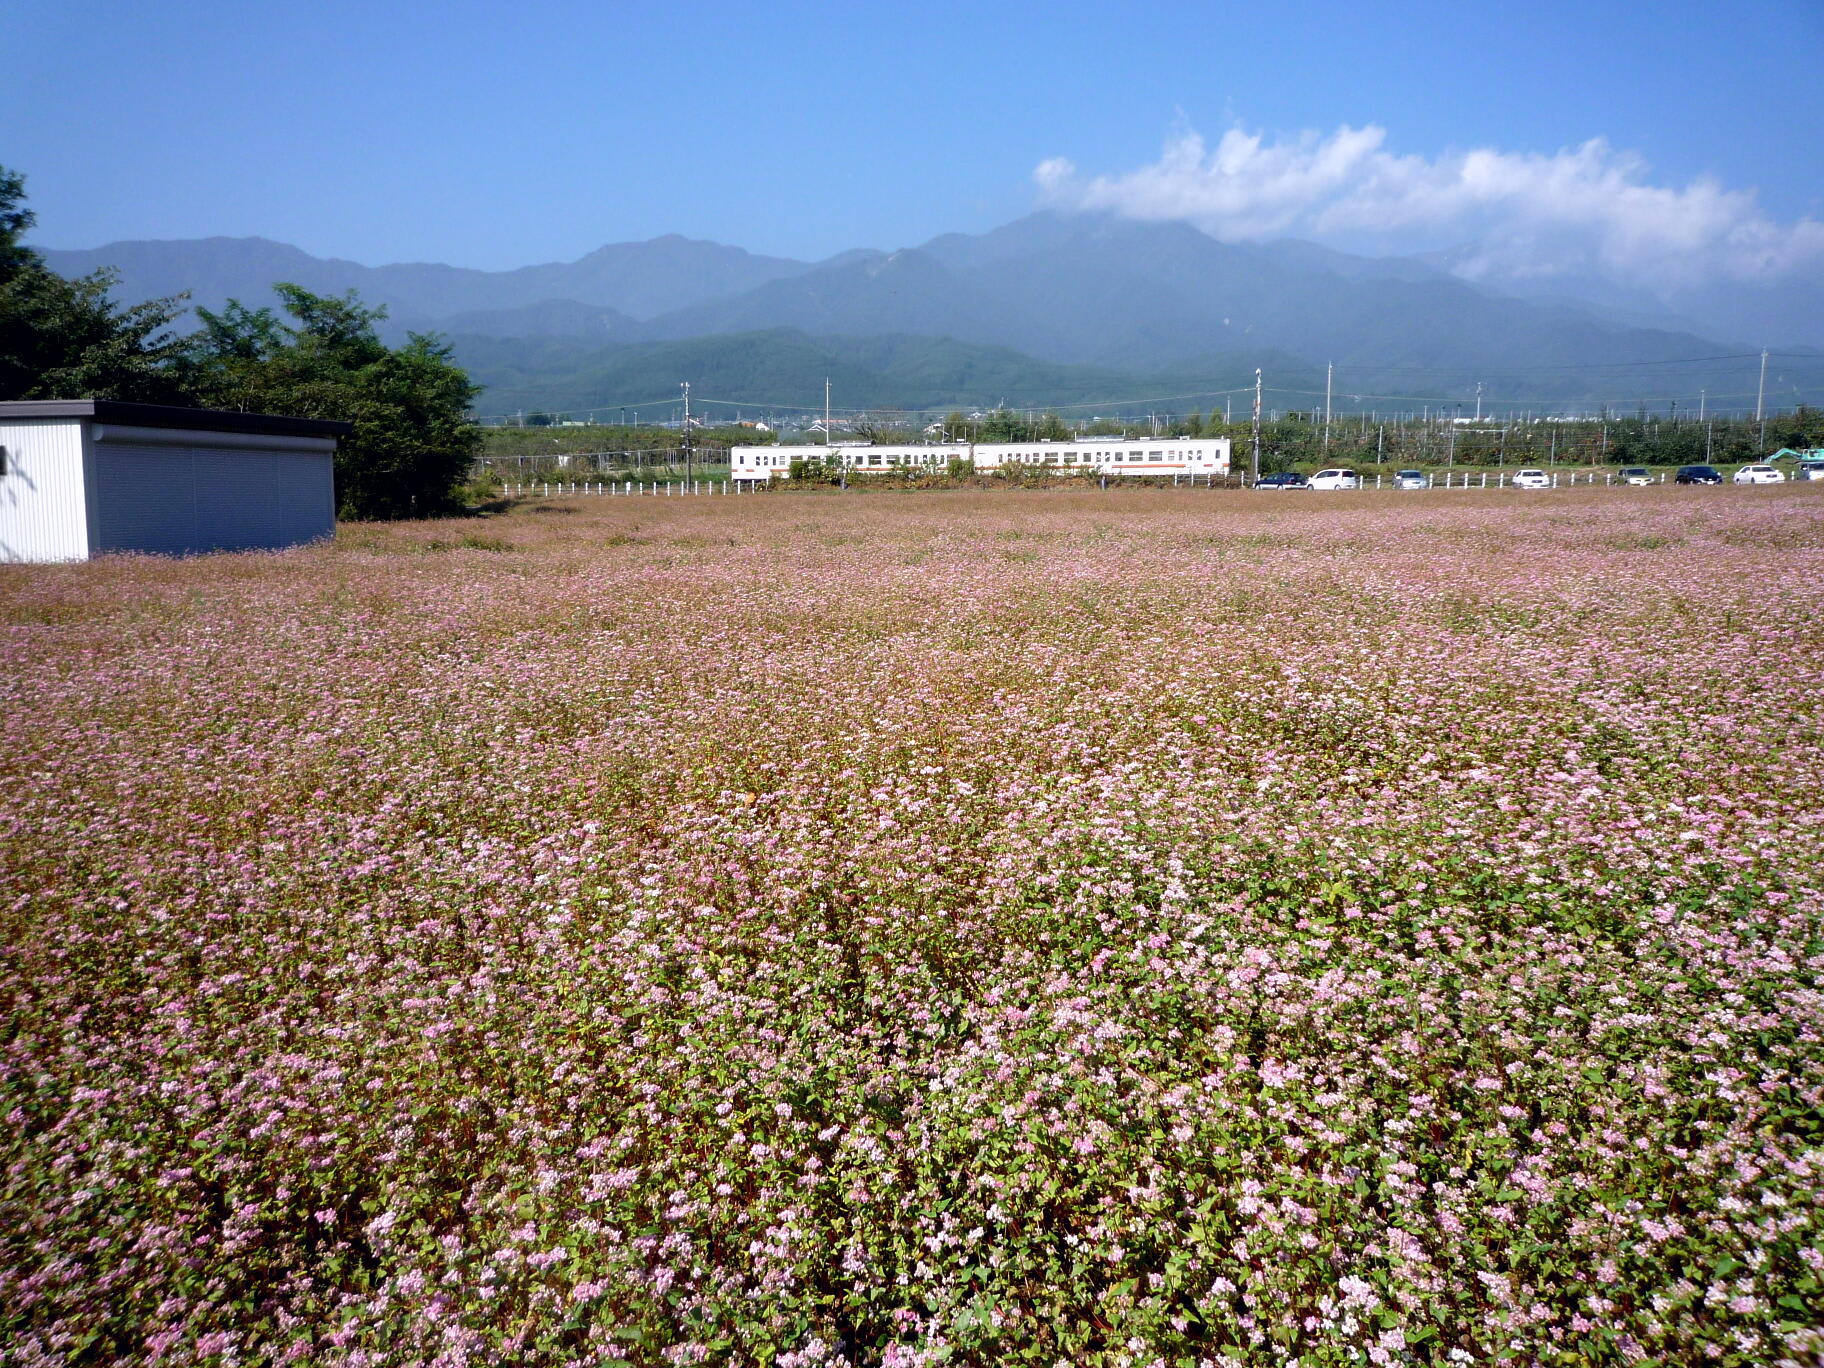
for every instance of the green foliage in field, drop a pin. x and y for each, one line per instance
(413, 440)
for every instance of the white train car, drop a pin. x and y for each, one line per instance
(898, 460)
(1139, 457)
(1111, 455)
(763, 463)
(760, 463)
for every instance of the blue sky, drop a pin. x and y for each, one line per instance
(495, 136)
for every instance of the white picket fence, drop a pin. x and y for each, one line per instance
(627, 489)
(665, 489)
(1478, 479)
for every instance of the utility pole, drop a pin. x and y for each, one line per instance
(1760, 401)
(1329, 377)
(687, 448)
(1703, 400)
(826, 410)
(1478, 401)
(1257, 425)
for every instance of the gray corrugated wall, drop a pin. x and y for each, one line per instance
(175, 500)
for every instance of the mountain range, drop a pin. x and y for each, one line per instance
(1051, 305)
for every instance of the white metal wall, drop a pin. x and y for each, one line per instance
(43, 511)
(176, 492)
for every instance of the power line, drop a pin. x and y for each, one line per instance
(1118, 403)
(1391, 368)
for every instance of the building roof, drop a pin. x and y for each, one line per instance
(171, 416)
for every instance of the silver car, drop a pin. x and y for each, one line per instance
(1335, 478)
(1759, 474)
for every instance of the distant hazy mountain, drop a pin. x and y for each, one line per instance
(1095, 290)
(905, 292)
(1760, 315)
(1122, 297)
(639, 279)
(1746, 315)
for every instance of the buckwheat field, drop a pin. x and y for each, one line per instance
(1171, 928)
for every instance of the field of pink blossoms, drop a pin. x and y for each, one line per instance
(1146, 928)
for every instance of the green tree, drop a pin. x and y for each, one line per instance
(413, 441)
(65, 339)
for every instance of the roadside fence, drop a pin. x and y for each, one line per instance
(628, 489)
(1561, 479)
(665, 489)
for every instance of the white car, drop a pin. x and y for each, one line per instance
(1336, 478)
(1809, 470)
(1759, 474)
(1411, 479)
(1636, 475)
(1532, 479)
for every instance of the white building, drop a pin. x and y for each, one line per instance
(83, 477)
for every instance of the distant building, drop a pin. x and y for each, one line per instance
(84, 477)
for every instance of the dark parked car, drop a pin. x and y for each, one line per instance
(1698, 474)
(1286, 479)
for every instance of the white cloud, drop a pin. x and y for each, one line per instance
(1530, 213)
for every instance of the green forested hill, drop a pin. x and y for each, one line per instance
(786, 368)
